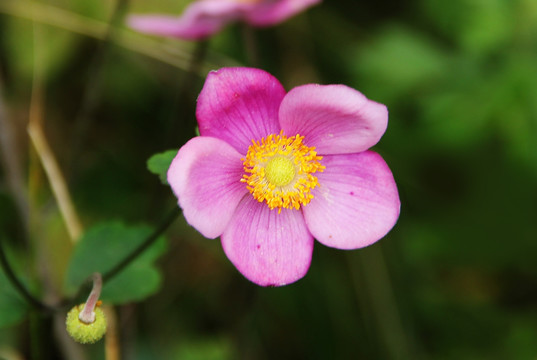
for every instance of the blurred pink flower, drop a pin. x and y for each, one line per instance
(272, 171)
(203, 18)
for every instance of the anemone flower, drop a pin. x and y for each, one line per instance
(272, 171)
(203, 18)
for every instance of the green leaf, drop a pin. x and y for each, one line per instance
(159, 164)
(105, 245)
(12, 306)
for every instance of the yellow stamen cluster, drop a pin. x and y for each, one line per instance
(278, 170)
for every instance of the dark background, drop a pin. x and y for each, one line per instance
(455, 279)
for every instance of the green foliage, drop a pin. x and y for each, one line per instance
(53, 51)
(478, 26)
(205, 349)
(12, 307)
(455, 279)
(398, 61)
(102, 247)
(159, 164)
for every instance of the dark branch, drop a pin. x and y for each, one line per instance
(140, 249)
(17, 284)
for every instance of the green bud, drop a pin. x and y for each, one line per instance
(82, 332)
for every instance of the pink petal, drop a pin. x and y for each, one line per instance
(270, 12)
(268, 248)
(336, 119)
(239, 105)
(200, 19)
(205, 176)
(356, 203)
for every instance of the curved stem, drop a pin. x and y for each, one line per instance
(17, 284)
(36, 303)
(87, 315)
(143, 246)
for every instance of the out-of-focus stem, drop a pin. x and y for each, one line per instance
(143, 246)
(250, 45)
(4, 264)
(68, 20)
(91, 94)
(70, 349)
(51, 167)
(111, 340)
(382, 303)
(12, 162)
(121, 265)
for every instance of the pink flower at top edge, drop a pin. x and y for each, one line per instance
(272, 170)
(203, 18)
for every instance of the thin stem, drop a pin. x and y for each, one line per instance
(184, 97)
(36, 303)
(56, 179)
(111, 341)
(250, 46)
(70, 21)
(383, 304)
(90, 98)
(50, 164)
(140, 249)
(11, 157)
(87, 315)
(17, 284)
(195, 64)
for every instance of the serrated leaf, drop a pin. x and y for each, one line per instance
(105, 245)
(159, 164)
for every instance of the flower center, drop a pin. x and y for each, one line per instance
(278, 170)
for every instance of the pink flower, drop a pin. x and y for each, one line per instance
(204, 18)
(272, 171)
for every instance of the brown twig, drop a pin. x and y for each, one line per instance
(52, 169)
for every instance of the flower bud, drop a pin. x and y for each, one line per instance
(82, 332)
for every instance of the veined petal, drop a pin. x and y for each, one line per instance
(356, 202)
(205, 176)
(273, 12)
(336, 119)
(199, 20)
(239, 105)
(267, 247)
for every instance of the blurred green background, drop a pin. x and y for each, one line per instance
(455, 279)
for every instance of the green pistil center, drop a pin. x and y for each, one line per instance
(279, 171)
